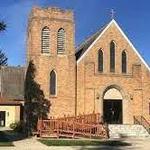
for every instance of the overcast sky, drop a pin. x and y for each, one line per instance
(132, 15)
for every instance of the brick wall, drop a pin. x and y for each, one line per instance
(63, 64)
(92, 84)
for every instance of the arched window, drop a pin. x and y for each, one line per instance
(53, 83)
(45, 40)
(112, 56)
(61, 41)
(100, 60)
(124, 62)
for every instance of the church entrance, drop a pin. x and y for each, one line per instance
(112, 111)
(113, 106)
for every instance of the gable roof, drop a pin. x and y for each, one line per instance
(84, 48)
(85, 45)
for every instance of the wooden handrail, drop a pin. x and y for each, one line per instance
(93, 118)
(74, 126)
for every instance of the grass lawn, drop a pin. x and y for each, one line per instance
(50, 142)
(4, 141)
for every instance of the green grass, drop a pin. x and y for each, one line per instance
(4, 141)
(50, 142)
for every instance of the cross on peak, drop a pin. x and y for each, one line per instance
(112, 13)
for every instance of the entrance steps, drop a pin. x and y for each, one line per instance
(125, 130)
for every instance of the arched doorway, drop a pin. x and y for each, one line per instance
(112, 106)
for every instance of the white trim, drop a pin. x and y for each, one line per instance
(113, 21)
(94, 42)
(135, 50)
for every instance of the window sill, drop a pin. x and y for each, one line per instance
(53, 96)
(61, 55)
(45, 54)
(100, 72)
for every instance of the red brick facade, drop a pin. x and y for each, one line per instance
(80, 86)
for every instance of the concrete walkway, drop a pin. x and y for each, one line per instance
(33, 144)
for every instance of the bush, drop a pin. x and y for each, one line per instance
(17, 126)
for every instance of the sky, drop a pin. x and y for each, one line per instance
(133, 16)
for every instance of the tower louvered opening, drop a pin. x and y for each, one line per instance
(45, 40)
(61, 41)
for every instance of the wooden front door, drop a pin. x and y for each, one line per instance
(2, 118)
(112, 110)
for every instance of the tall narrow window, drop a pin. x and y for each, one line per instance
(61, 41)
(45, 40)
(124, 62)
(112, 56)
(52, 83)
(100, 60)
(149, 108)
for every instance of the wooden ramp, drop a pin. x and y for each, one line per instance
(88, 126)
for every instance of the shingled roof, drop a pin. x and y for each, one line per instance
(85, 45)
(12, 82)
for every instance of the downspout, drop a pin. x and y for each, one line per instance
(76, 89)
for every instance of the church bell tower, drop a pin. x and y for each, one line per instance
(50, 44)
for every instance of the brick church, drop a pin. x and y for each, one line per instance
(105, 74)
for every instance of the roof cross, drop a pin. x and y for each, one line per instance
(112, 13)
